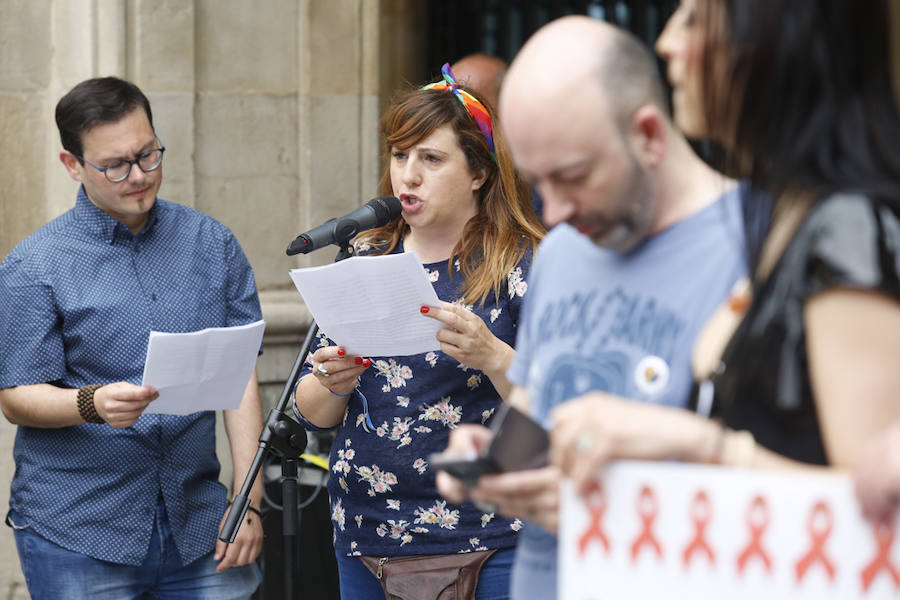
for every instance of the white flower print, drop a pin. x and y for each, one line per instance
(420, 465)
(399, 431)
(516, 525)
(474, 541)
(422, 429)
(473, 381)
(442, 411)
(495, 312)
(486, 414)
(431, 358)
(341, 466)
(456, 265)
(403, 401)
(345, 455)
(432, 275)
(398, 530)
(394, 373)
(379, 481)
(358, 519)
(463, 367)
(393, 504)
(438, 514)
(338, 514)
(516, 286)
(486, 518)
(343, 483)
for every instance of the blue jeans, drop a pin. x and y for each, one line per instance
(54, 573)
(358, 583)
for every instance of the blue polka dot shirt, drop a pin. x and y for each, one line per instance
(78, 299)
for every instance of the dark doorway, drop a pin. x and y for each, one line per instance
(455, 28)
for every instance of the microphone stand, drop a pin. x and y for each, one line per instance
(285, 437)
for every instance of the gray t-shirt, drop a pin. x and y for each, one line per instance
(595, 319)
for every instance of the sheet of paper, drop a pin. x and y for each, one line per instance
(370, 304)
(201, 370)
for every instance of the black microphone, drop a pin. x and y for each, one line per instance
(377, 212)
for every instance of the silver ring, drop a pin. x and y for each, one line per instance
(320, 369)
(584, 443)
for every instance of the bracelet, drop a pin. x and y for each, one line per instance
(250, 508)
(347, 395)
(86, 407)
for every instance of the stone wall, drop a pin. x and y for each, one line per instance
(268, 111)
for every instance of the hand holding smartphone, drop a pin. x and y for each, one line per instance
(519, 442)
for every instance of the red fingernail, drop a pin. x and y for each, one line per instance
(367, 362)
(358, 360)
(424, 309)
(341, 352)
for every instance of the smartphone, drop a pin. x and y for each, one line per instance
(519, 443)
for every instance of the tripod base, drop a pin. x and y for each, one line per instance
(317, 576)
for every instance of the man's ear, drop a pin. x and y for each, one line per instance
(71, 164)
(649, 134)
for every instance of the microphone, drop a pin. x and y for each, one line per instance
(377, 212)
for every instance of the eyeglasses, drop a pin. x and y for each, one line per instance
(121, 169)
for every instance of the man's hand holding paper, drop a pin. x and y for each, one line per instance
(202, 370)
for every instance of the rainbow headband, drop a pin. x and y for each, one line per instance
(473, 106)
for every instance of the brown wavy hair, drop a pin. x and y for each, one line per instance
(505, 226)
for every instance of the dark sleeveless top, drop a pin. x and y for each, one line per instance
(762, 383)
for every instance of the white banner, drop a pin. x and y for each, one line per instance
(667, 530)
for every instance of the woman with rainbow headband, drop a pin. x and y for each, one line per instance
(469, 219)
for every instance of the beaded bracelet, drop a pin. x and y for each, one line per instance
(347, 395)
(86, 408)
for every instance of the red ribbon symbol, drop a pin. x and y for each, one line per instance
(884, 537)
(647, 508)
(757, 521)
(596, 505)
(701, 514)
(819, 523)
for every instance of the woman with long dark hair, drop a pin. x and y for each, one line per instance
(798, 95)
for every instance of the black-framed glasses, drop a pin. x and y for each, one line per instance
(121, 169)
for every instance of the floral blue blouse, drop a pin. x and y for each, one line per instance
(381, 488)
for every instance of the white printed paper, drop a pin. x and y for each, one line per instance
(370, 304)
(202, 370)
(671, 530)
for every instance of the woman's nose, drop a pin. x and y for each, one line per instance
(412, 173)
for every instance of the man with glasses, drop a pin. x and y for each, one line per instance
(108, 502)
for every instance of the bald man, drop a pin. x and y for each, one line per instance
(482, 73)
(649, 242)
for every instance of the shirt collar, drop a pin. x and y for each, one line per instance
(98, 223)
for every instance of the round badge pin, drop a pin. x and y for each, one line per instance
(651, 375)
